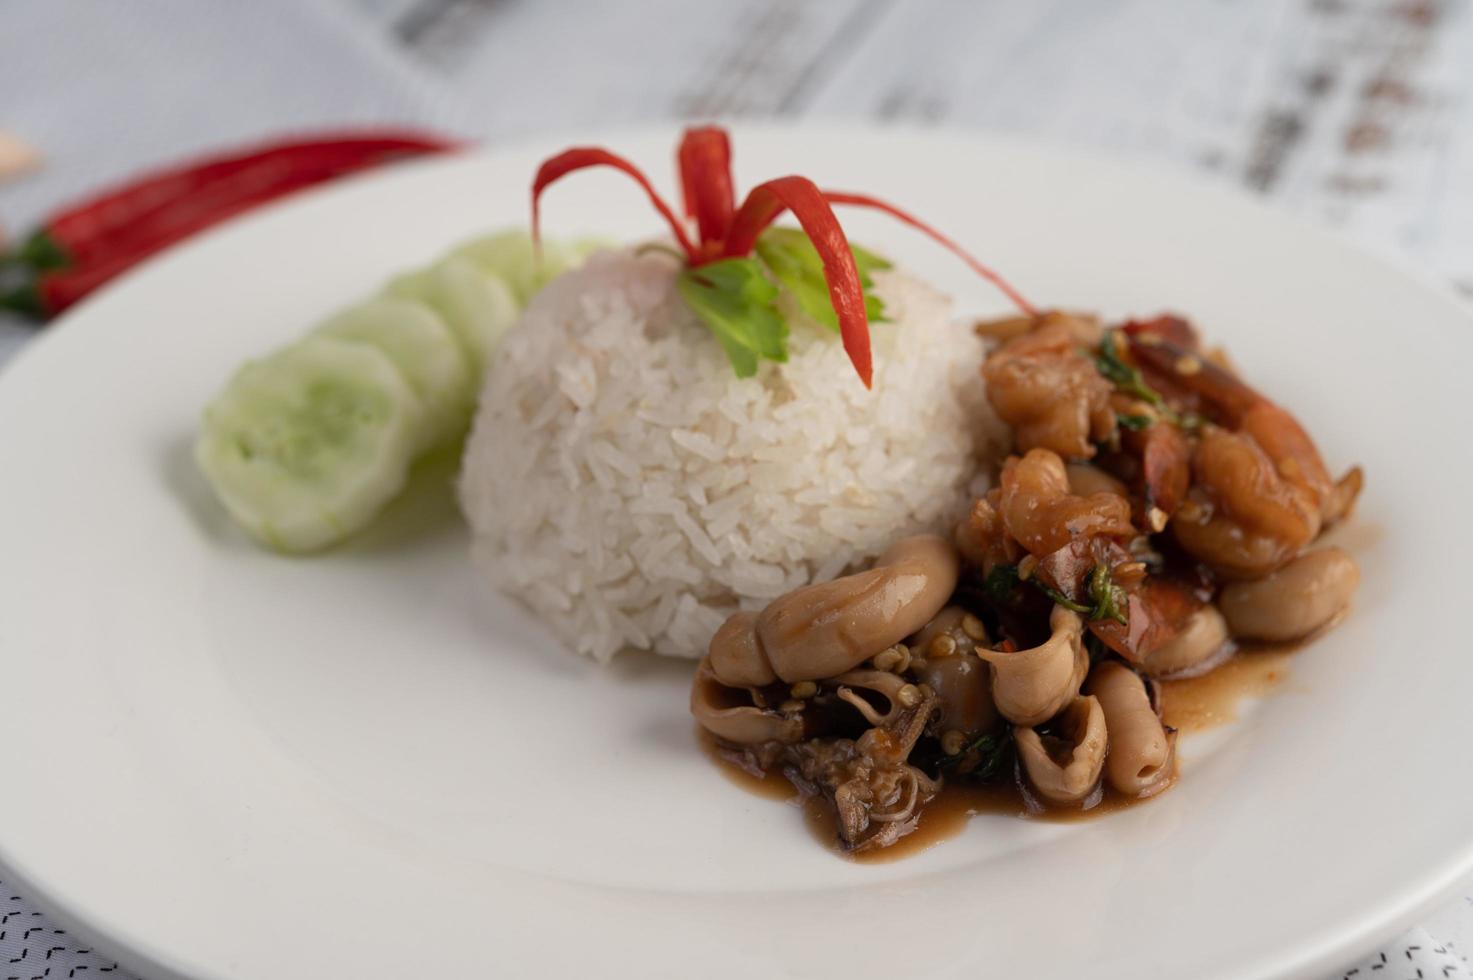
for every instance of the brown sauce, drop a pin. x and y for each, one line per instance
(947, 815)
(1189, 704)
(943, 818)
(1194, 704)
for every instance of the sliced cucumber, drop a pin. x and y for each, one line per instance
(425, 352)
(509, 254)
(305, 446)
(476, 306)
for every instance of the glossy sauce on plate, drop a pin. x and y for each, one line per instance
(1189, 704)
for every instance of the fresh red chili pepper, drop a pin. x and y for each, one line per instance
(80, 233)
(215, 202)
(582, 157)
(705, 176)
(54, 290)
(865, 201)
(802, 197)
(85, 246)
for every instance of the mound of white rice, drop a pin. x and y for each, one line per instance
(623, 483)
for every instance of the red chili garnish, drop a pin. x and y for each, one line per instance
(705, 176)
(583, 157)
(986, 272)
(802, 197)
(704, 160)
(84, 246)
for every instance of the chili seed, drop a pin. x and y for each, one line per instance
(909, 696)
(803, 690)
(953, 741)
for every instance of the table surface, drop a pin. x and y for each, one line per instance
(1354, 113)
(1357, 113)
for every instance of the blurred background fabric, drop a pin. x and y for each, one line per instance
(1355, 114)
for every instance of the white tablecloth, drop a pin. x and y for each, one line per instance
(103, 89)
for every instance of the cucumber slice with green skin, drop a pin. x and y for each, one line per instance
(509, 254)
(477, 307)
(425, 352)
(305, 446)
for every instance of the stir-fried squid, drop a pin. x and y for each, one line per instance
(1157, 512)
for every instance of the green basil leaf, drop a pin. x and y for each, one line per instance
(1000, 583)
(1135, 423)
(1111, 602)
(738, 302)
(794, 262)
(983, 759)
(1131, 381)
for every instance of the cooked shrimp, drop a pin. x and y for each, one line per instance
(1042, 515)
(1265, 491)
(981, 538)
(1048, 391)
(1256, 518)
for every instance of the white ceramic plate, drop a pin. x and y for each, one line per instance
(224, 764)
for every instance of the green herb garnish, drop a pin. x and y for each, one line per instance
(1063, 600)
(795, 264)
(1110, 600)
(991, 751)
(1107, 600)
(737, 301)
(1134, 423)
(738, 298)
(1000, 583)
(1129, 380)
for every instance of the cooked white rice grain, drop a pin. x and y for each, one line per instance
(625, 485)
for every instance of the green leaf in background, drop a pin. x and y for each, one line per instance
(737, 301)
(794, 262)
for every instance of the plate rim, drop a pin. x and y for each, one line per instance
(1321, 953)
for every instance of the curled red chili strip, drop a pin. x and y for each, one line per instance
(808, 204)
(866, 201)
(704, 160)
(583, 157)
(705, 178)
